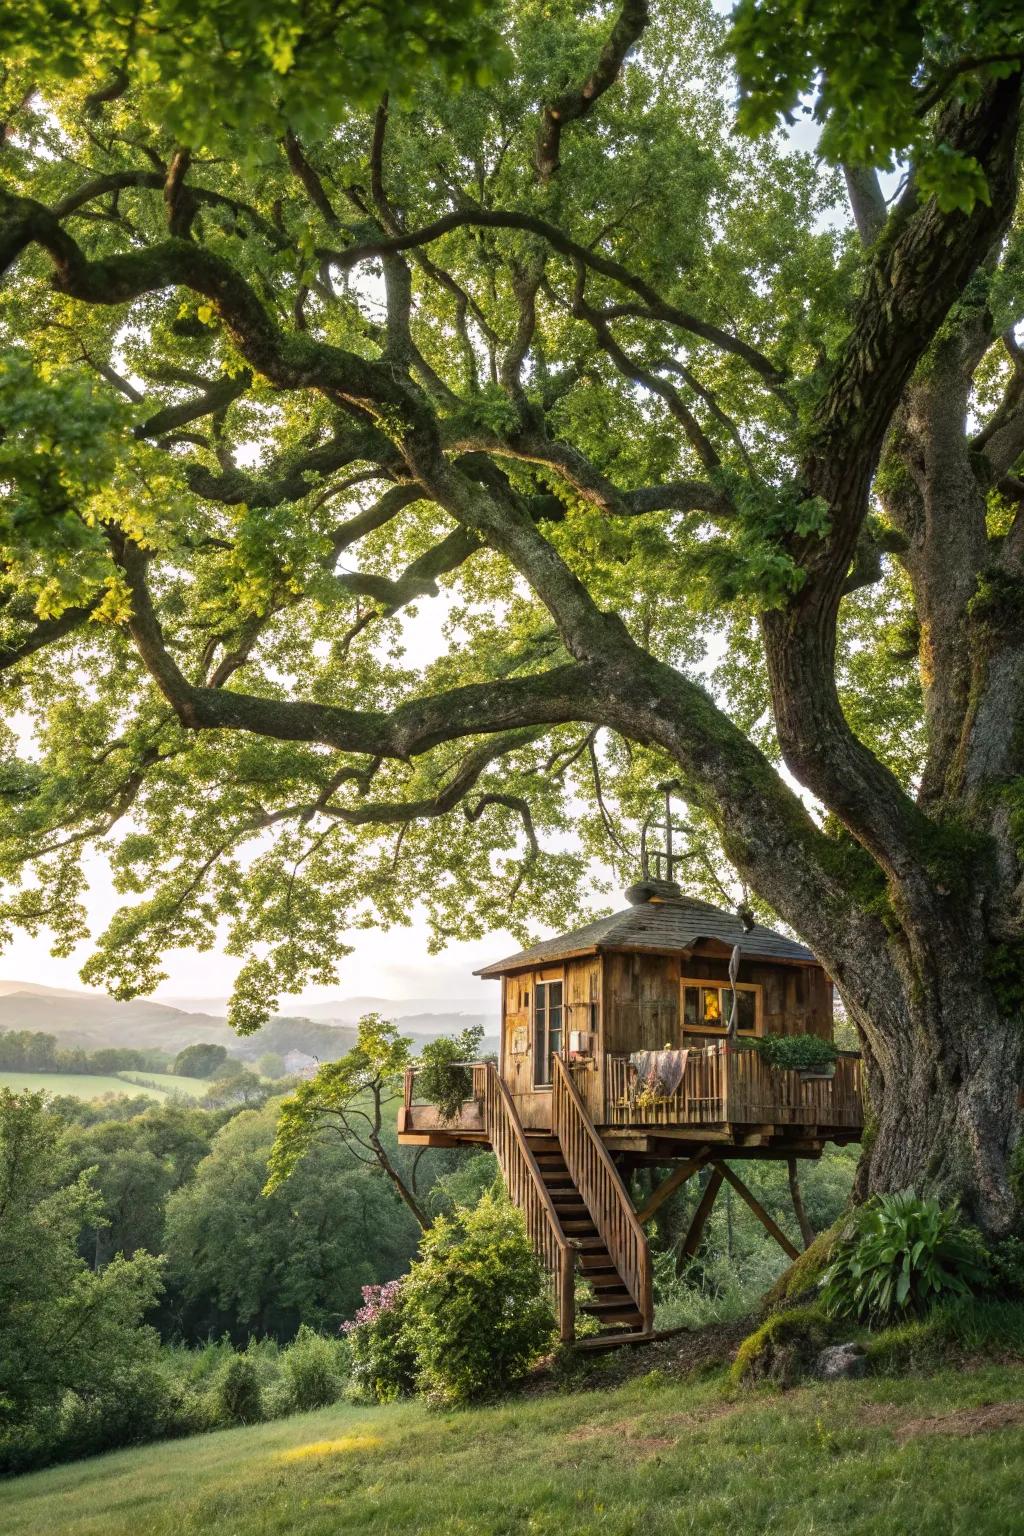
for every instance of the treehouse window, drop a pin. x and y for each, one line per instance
(707, 1007)
(547, 1030)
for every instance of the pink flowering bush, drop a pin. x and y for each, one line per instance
(382, 1352)
(376, 1299)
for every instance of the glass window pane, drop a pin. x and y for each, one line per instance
(712, 1005)
(746, 1011)
(691, 999)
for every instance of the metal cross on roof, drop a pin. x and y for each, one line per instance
(664, 859)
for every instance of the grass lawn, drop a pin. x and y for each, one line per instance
(167, 1082)
(942, 1456)
(80, 1085)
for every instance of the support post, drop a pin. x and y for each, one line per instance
(567, 1296)
(807, 1232)
(701, 1214)
(669, 1186)
(759, 1211)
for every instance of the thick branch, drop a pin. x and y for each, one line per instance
(573, 104)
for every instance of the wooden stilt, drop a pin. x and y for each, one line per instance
(701, 1214)
(758, 1210)
(671, 1184)
(806, 1230)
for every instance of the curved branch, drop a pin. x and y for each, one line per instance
(571, 105)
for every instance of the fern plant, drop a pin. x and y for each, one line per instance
(903, 1254)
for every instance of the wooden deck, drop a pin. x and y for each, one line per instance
(729, 1096)
(570, 1178)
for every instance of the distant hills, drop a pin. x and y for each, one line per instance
(324, 1030)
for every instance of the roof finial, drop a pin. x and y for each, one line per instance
(661, 886)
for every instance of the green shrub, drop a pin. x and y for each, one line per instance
(1004, 1262)
(796, 1053)
(475, 1306)
(900, 1254)
(313, 1370)
(439, 1080)
(1017, 1170)
(380, 1346)
(784, 1348)
(239, 1391)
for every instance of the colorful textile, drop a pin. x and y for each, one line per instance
(659, 1072)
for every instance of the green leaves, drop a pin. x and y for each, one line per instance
(206, 73)
(900, 1254)
(875, 74)
(441, 1080)
(372, 1069)
(796, 1053)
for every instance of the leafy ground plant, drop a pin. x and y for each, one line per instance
(901, 1254)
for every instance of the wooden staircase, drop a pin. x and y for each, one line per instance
(577, 1210)
(613, 1306)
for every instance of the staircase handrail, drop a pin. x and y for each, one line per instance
(529, 1192)
(604, 1194)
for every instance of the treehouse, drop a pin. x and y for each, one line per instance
(669, 1035)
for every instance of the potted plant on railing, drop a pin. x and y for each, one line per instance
(809, 1055)
(445, 1075)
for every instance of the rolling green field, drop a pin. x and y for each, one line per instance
(90, 1085)
(941, 1456)
(166, 1082)
(79, 1085)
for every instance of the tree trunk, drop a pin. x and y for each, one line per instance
(944, 1067)
(404, 1192)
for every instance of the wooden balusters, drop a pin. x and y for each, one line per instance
(728, 1084)
(528, 1192)
(604, 1194)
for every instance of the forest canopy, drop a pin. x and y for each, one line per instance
(426, 431)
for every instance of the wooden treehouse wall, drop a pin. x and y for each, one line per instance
(581, 984)
(629, 1002)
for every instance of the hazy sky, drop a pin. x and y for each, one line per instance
(394, 964)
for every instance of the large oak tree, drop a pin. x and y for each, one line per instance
(712, 449)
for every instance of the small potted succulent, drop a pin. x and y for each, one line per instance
(809, 1055)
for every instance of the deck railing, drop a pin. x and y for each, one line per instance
(603, 1191)
(528, 1191)
(726, 1083)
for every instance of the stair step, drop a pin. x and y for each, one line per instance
(613, 1311)
(562, 1199)
(610, 1338)
(590, 1246)
(543, 1143)
(604, 1280)
(585, 1227)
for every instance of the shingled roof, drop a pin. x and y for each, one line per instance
(669, 923)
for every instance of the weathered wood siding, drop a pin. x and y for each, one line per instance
(642, 996)
(581, 1009)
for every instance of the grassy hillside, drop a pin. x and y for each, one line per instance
(941, 1456)
(78, 1085)
(165, 1083)
(82, 1019)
